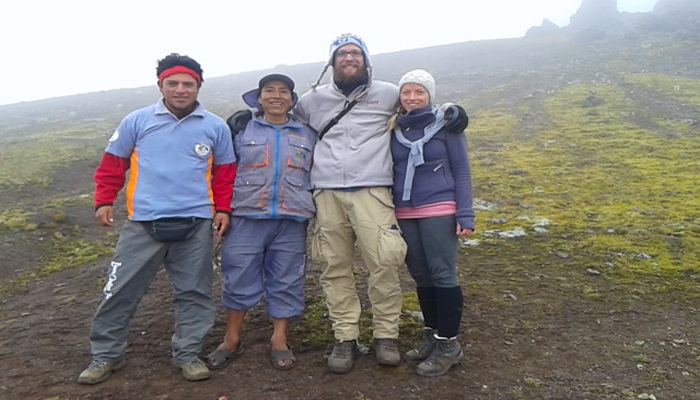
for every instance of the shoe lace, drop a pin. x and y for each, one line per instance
(344, 349)
(195, 363)
(389, 345)
(97, 364)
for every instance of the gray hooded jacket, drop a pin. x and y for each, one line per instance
(355, 152)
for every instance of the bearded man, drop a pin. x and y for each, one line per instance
(351, 177)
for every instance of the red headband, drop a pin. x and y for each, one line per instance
(179, 70)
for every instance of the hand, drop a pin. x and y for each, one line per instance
(463, 232)
(105, 216)
(238, 121)
(456, 119)
(221, 223)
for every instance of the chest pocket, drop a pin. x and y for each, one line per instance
(299, 153)
(254, 153)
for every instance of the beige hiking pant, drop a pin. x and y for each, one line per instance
(365, 216)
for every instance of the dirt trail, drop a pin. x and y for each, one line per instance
(560, 348)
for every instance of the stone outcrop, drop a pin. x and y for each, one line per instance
(676, 17)
(593, 21)
(599, 19)
(548, 28)
(595, 14)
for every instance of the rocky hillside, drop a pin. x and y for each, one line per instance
(530, 98)
(600, 19)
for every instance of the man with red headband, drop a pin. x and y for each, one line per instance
(181, 168)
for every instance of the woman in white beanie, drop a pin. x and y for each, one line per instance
(433, 197)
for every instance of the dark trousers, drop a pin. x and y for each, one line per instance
(432, 262)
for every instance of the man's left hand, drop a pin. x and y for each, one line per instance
(456, 119)
(221, 223)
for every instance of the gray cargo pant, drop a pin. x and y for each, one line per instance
(136, 261)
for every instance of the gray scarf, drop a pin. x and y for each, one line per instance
(415, 156)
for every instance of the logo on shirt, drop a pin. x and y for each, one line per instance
(115, 136)
(301, 155)
(373, 103)
(202, 149)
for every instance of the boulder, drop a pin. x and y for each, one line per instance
(548, 28)
(676, 17)
(598, 14)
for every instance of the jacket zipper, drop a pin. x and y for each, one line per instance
(277, 170)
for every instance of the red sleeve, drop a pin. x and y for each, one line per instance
(109, 179)
(222, 185)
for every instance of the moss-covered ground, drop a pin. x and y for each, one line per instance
(591, 186)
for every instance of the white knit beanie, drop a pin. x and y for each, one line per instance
(420, 77)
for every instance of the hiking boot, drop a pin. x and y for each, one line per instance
(417, 356)
(387, 352)
(98, 371)
(194, 370)
(447, 352)
(343, 357)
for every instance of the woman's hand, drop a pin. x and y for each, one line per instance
(463, 232)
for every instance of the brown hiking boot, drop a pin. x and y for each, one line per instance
(387, 352)
(417, 356)
(447, 352)
(98, 371)
(343, 356)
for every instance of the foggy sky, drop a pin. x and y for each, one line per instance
(52, 48)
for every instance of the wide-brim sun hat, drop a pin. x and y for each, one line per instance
(251, 97)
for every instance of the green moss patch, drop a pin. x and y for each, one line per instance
(682, 89)
(31, 160)
(16, 220)
(65, 254)
(614, 196)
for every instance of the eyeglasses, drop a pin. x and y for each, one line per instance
(354, 54)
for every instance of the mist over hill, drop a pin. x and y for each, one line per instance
(599, 43)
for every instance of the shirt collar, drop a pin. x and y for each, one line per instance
(162, 109)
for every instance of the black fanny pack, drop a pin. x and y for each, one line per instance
(172, 229)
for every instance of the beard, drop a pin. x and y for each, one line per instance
(342, 79)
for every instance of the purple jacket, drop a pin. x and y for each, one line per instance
(445, 175)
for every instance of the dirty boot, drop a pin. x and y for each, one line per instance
(98, 371)
(194, 370)
(387, 352)
(343, 357)
(447, 352)
(417, 356)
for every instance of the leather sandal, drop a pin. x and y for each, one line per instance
(221, 357)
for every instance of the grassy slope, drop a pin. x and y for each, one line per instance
(607, 187)
(611, 188)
